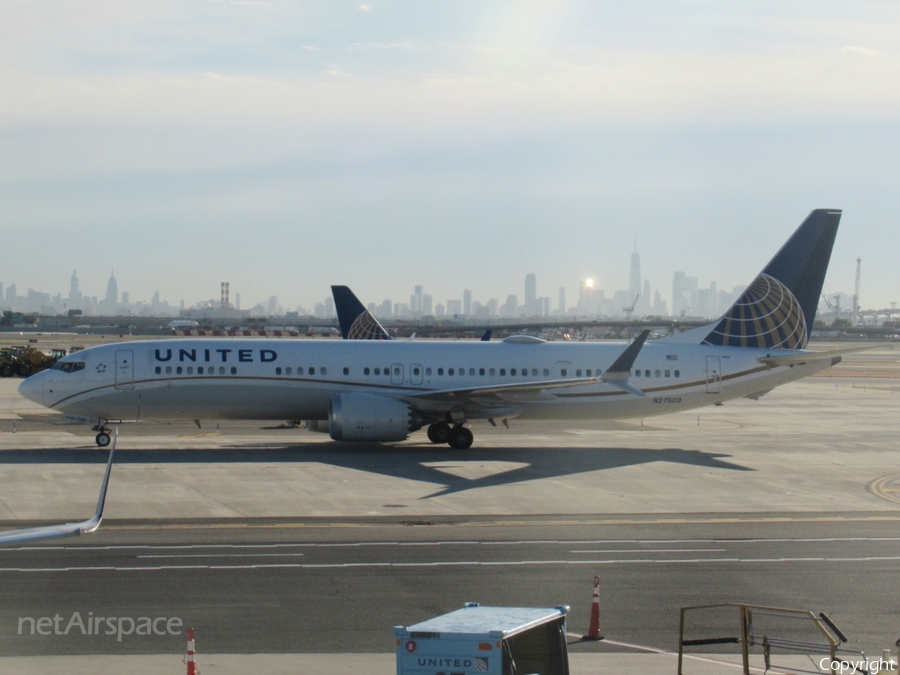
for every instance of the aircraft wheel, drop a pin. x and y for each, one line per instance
(102, 439)
(460, 438)
(439, 432)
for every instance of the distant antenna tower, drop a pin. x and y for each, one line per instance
(226, 290)
(856, 292)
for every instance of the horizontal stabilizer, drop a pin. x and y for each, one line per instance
(796, 358)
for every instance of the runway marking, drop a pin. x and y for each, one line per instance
(464, 542)
(513, 523)
(657, 550)
(452, 563)
(221, 555)
(886, 487)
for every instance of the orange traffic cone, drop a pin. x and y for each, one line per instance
(189, 659)
(594, 629)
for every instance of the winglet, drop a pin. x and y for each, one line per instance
(626, 359)
(67, 529)
(357, 323)
(617, 374)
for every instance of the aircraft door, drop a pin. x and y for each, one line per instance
(397, 373)
(415, 373)
(124, 369)
(713, 374)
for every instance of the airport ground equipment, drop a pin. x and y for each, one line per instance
(22, 361)
(791, 638)
(493, 640)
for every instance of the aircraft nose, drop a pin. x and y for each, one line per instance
(32, 388)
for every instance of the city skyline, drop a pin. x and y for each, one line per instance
(687, 298)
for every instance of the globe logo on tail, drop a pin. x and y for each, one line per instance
(767, 315)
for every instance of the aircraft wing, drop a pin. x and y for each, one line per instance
(798, 357)
(616, 376)
(67, 529)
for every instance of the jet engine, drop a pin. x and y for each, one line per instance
(364, 417)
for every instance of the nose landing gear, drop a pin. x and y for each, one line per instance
(102, 439)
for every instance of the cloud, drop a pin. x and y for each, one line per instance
(859, 51)
(364, 8)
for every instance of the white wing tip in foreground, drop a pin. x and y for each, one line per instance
(67, 529)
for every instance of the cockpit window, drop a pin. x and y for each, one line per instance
(68, 366)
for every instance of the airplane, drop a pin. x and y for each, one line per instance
(67, 529)
(382, 391)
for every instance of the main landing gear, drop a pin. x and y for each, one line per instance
(102, 439)
(457, 436)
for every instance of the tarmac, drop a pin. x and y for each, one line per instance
(822, 448)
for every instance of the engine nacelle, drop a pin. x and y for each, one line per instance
(364, 417)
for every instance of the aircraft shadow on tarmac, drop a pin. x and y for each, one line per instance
(430, 464)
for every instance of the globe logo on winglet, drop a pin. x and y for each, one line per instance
(767, 315)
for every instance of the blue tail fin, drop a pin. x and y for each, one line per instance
(357, 323)
(779, 307)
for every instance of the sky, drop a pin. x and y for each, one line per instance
(288, 146)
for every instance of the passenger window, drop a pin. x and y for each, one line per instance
(397, 371)
(677, 373)
(190, 370)
(234, 370)
(449, 371)
(178, 370)
(667, 373)
(221, 370)
(578, 373)
(647, 373)
(428, 372)
(415, 371)
(656, 373)
(346, 371)
(365, 371)
(637, 373)
(288, 370)
(525, 372)
(441, 371)
(322, 370)
(168, 370)
(278, 371)
(503, 371)
(588, 372)
(492, 372)
(158, 370)
(311, 371)
(512, 371)
(546, 372)
(562, 372)
(378, 371)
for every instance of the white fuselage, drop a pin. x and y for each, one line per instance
(281, 379)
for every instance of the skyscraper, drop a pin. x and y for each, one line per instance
(562, 300)
(634, 281)
(467, 302)
(530, 295)
(111, 301)
(74, 292)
